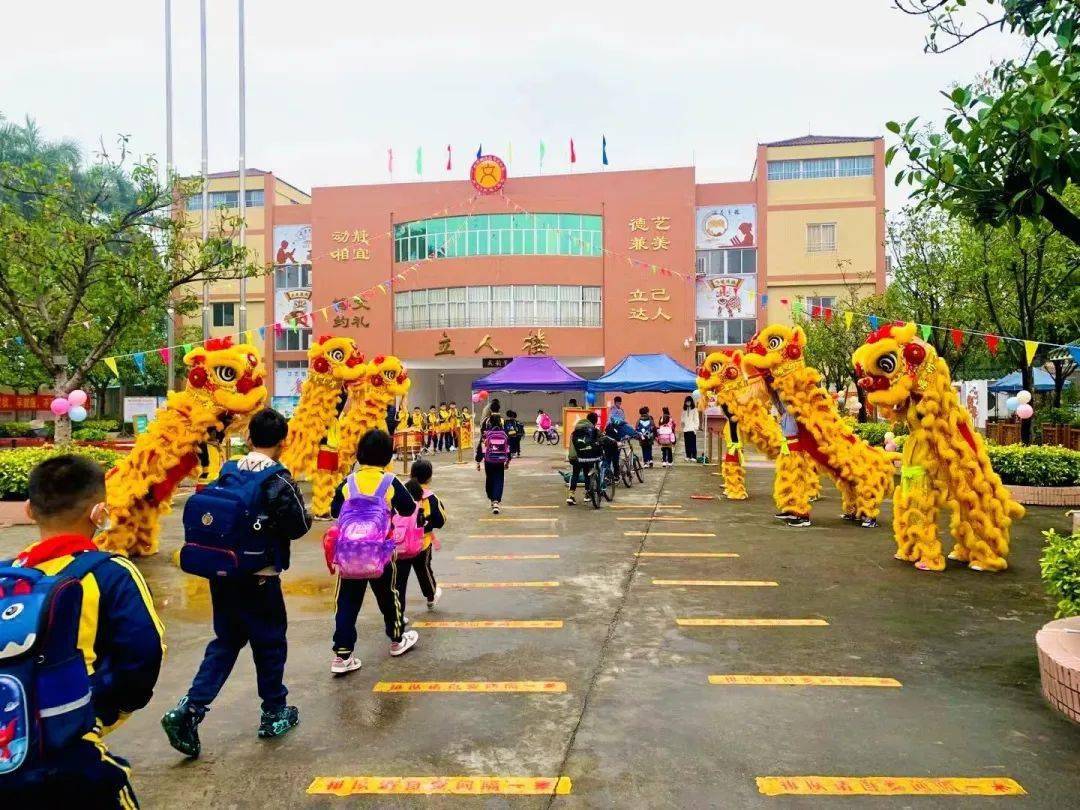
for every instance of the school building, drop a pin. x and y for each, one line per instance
(462, 275)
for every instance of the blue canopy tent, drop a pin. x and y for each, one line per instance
(636, 373)
(531, 373)
(1011, 383)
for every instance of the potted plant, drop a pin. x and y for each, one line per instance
(1058, 643)
(1038, 475)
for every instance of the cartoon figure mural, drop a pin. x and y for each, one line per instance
(224, 387)
(862, 473)
(944, 460)
(334, 364)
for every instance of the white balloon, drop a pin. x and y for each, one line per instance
(1023, 397)
(889, 436)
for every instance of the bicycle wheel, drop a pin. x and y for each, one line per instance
(538, 437)
(609, 486)
(554, 436)
(624, 472)
(639, 470)
(592, 487)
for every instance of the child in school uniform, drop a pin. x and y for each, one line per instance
(646, 430)
(493, 450)
(430, 515)
(665, 437)
(373, 452)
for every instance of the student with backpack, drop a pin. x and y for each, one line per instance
(585, 451)
(514, 432)
(646, 430)
(360, 549)
(82, 648)
(429, 516)
(665, 437)
(237, 533)
(493, 450)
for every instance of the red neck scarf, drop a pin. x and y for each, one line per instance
(59, 545)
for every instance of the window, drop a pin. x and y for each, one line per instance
(223, 314)
(292, 276)
(228, 199)
(819, 303)
(506, 305)
(820, 237)
(499, 235)
(729, 261)
(293, 340)
(816, 168)
(732, 332)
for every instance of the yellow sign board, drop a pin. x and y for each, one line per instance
(469, 686)
(432, 785)
(887, 786)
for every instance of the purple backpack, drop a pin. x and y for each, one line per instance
(364, 544)
(496, 447)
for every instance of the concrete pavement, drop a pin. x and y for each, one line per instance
(639, 724)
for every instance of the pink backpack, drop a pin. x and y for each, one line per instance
(408, 535)
(665, 434)
(545, 422)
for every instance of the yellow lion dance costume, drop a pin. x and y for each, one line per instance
(223, 382)
(862, 473)
(745, 403)
(383, 381)
(334, 363)
(944, 459)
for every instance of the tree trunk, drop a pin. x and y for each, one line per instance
(62, 425)
(1061, 218)
(1027, 377)
(1059, 380)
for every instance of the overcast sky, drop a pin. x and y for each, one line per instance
(333, 83)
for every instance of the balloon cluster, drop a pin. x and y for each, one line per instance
(1021, 405)
(73, 405)
(890, 442)
(479, 396)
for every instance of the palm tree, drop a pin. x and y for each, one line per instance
(21, 144)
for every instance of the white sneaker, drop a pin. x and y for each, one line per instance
(434, 601)
(404, 621)
(339, 666)
(570, 500)
(408, 640)
(495, 508)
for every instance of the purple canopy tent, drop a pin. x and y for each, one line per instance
(531, 373)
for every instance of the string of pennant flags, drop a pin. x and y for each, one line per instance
(956, 335)
(542, 154)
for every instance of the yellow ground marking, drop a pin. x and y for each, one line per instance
(887, 786)
(801, 680)
(735, 583)
(511, 536)
(469, 686)
(751, 622)
(661, 517)
(515, 508)
(516, 520)
(645, 506)
(507, 557)
(669, 534)
(532, 584)
(431, 785)
(683, 554)
(499, 624)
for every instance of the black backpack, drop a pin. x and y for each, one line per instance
(586, 439)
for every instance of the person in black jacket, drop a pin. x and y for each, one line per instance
(250, 609)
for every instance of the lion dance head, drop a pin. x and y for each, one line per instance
(893, 366)
(227, 377)
(775, 350)
(335, 361)
(387, 377)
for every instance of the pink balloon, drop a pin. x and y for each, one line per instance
(77, 397)
(484, 395)
(1025, 411)
(475, 398)
(60, 406)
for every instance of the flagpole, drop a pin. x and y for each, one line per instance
(205, 166)
(243, 161)
(170, 325)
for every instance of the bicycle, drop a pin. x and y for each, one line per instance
(607, 481)
(592, 485)
(630, 464)
(550, 435)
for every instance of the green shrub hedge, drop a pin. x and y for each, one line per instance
(874, 432)
(89, 434)
(104, 425)
(15, 465)
(22, 430)
(1060, 564)
(1036, 466)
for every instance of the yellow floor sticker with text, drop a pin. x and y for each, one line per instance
(469, 686)
(801, 680)
(528, 624)
(887, 786)
(430, 785)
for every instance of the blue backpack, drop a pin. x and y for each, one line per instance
(45, 697)
(226, 531)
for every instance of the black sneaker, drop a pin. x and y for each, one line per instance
(785, 516)
(849, 517)
(278, 722)
(182, 728)
(570, 501)
(799, 522)
(869, 523)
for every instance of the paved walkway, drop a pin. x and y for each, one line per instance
(643, 652)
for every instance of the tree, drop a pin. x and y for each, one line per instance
(90, 256)
(1006, 152)
(830, 342)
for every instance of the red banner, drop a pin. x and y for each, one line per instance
(25, 402)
